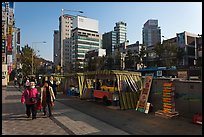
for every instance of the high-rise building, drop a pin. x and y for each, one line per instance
(189, 43)
(109, 42)
(85, 37)
(65, 28)
(121, 32)
(7, 39)
(151, 33)
(56, 49)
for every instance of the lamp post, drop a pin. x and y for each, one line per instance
(61, 39)
(33, 51)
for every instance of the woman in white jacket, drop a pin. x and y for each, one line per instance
(47, 98)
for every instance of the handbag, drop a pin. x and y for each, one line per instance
(32, 99)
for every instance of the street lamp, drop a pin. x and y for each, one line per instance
(61, 39)
(33, 51)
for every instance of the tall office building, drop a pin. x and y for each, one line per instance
(151, 33)
(109, 42)
(189, 42)
(121, 32)
(85, 37)
(7, 39)
(56, 49)
(65, 28)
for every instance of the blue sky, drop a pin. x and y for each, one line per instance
(38, 20)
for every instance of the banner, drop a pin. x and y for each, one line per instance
(3, 58)
(9, 69)
(142, 102)
(9, 43)
(18, 37)
(9, 59)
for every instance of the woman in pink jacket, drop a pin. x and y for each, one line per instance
(29, 98)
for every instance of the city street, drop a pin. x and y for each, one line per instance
(73, 116)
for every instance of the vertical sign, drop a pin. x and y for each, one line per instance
(9, 29)
(18, 37)
(11, 5)
(9, 69)
(142, 102)
(9, 43)
(3, 44)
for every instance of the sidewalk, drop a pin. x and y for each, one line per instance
(66, 121)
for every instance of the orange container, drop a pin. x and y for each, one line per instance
(167, 84)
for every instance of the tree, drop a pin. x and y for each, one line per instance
(99, 62)
(117, 61)
(159, 50)
(109, 62)
(26, 60)
(170, 54)
(129, 60)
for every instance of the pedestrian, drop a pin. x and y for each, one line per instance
(15, 81)
(20, 81)
(53, 84)
(29, 98)
(47, 98)
(27, 81)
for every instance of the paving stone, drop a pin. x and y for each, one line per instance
(65, 121)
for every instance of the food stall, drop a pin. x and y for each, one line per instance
(113, 86)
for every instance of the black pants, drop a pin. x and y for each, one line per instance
(31, 108)
(49, 104)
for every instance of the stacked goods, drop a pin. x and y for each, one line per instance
(168, 102)
(168, 97)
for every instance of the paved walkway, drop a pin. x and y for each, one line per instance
(66, 121)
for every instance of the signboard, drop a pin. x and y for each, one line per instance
(142, 102)
(159, 73)
(11, 5)
(9, 43)
(18, 37)
(4, 75)
(3, 45)
(3, 58)
(9, 59)
(9, 69)
(183, 75)
(9, 29)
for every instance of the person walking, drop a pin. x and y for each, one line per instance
(29, 98)
(47, 98)
(53, 84)
(15, 81)
(20, 81)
